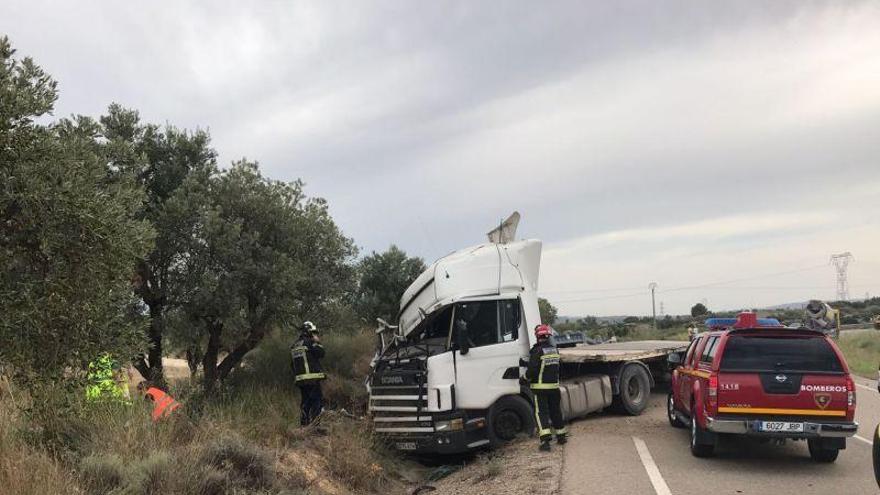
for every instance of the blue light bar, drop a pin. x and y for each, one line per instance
(719, 323)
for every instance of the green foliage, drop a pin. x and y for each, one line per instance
(383, 279)
(699, 309)
(263, 256)
(547, 310)
(173, 167)
(68, 236)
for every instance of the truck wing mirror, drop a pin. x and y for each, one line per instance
(674, 359)
(461, 337)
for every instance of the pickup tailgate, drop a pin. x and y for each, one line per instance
(786, 376)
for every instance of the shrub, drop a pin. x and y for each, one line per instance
(102, 473)
(245, 465)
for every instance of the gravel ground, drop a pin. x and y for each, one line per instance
(517, 468)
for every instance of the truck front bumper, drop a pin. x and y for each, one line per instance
(811, 429)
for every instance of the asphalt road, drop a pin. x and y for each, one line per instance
(644, 455)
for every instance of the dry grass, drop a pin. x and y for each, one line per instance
(246, 440)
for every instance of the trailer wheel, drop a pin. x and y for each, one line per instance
(634, 389)
(508, 417)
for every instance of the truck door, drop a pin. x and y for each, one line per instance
(490, 369)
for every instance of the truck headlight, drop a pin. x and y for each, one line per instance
(456, 424)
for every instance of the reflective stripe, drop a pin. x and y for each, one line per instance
(540, 385)
(310, 376)
(542, 432)
(544, 386)
(773, 410)
(561, 431)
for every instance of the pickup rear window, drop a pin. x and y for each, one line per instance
(797, 354)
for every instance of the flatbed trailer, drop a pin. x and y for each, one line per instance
(621, 351)
(619, 375)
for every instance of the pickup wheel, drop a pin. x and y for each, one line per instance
(508, 417)
(698, 447)
(821, 454)
(670, 412)
(634, 388)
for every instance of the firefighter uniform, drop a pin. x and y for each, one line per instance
(306, 355)
(543, 376)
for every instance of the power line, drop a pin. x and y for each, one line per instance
(745, 279)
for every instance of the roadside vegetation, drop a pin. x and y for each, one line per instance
(124, 238)
(862, 351)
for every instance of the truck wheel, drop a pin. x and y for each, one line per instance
(670, 412)
(634, 388)
(821, 454)
(508, 417)
(698, 446)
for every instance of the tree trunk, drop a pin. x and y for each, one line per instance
(151, 367)
(209, 361)
(235, 357)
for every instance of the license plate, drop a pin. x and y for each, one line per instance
(780, 427)
(405, 445)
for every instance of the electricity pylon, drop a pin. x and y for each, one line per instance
(841, 262)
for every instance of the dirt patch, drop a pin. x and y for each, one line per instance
(517, 468)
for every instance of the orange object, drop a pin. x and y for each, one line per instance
(164, 403)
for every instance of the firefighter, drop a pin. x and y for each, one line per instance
(543, 376)
(306, 354)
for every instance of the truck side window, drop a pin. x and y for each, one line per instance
(510, 320)
(489, 322)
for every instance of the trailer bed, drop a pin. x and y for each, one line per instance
(621, 351)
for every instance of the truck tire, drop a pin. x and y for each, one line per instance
(670, 412)
(821, 454)
(699, 447)
(634, 389)
(508, 417)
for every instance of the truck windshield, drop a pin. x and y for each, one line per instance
(428, 338)
(799, 354)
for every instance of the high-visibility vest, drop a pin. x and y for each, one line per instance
(306, 361)
(543, 371)
(164, 403)
(102, 381)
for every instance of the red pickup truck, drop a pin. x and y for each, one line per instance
(751, 376)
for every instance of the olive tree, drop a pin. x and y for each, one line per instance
(69, 239)
(382, 279)
(264, 256)
(161, 160)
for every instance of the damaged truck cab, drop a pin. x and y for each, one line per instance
(447, 378)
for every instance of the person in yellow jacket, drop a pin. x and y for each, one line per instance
(103, 382)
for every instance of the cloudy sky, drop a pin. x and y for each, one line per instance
(721, 149)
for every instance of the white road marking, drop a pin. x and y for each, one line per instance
(865, 387)
(657, 480)
(862, 439)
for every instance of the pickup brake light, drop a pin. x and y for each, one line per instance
(850, 394)
(712, 394)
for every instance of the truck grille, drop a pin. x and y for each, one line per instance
(400, 410)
